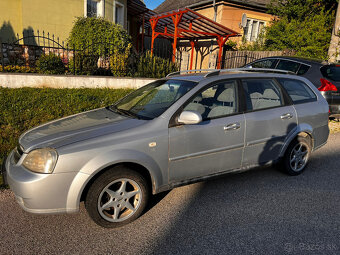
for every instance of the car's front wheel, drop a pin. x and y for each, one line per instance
(117, 197)
(297, 156)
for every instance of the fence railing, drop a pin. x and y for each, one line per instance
(23, 52)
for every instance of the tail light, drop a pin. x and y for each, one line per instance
(327, 86)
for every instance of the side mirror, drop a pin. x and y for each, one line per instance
(190, 117)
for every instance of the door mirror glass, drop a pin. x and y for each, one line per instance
(189, 117)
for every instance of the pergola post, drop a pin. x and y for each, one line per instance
(176, 20)
(153, 23)
(193, 44)
(221, 41)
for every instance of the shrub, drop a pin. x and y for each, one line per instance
(18, 69)
(24, 108)
(119, 61)
(84, 64)
(50, 64)
(154, 67)
(98, 36)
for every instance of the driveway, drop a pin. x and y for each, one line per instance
(258, 212)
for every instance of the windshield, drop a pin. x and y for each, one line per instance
(153, 99)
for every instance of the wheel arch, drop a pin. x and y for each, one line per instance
(303, 132)
(135, 160)
(131, 165)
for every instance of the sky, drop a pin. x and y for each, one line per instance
(152, 4)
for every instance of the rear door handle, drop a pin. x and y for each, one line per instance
(233, 126)
(286, 116)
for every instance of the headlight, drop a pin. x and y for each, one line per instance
(41, 160)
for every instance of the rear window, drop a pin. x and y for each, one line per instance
(331, 72)
(288, 65)
(298, 91)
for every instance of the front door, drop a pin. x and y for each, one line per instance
(214, 145)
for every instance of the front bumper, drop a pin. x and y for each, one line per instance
(39, 193)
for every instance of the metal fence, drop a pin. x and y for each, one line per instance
(23, 52)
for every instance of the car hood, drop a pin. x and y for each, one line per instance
(75, 128)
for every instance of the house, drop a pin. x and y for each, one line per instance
(229, 13)
(57, 17)
(246, 17)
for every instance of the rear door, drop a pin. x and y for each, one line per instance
(269, 119)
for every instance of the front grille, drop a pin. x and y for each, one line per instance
(17, 154)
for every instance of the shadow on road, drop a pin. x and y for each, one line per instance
(262, 211)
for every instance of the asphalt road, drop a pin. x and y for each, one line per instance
(258, 212)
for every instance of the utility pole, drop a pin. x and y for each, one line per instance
(334, 47)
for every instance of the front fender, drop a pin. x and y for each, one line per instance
(97, 164)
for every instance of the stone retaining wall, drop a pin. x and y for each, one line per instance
(69, 81)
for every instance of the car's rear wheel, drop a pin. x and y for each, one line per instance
(297, 156)
(117, 197)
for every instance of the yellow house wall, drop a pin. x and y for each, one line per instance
(10, 19)
(55, 17)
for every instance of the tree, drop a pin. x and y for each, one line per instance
(301, 26)
(334, 48)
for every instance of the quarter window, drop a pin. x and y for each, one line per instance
(217, 101)
(298, 91)
(261, 94)
(288, 65)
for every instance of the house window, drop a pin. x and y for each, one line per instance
(253, 29)
(91, 10)
(119, 13)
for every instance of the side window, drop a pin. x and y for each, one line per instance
(303, 69)
(261, 94)
(216, 101)
(298, 91)
(268, 63)
(288, 65)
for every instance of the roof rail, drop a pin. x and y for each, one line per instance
(210, 72)
(260, 70)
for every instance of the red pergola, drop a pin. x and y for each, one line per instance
(186, 24)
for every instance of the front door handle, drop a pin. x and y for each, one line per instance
(233, 126)
(286, 116)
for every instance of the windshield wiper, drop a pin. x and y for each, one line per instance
(124, 112)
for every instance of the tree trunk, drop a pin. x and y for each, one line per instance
(334, 47)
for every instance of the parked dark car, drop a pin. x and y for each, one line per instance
(326, 77)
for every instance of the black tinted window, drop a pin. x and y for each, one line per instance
(268, 63)
(298, 91)
(261, 94)
(331, 72)
(303, 69)
(288, 65)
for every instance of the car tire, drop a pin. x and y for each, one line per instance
(297, 155)
(117, 197)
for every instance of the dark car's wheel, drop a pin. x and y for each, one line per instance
(117, 197)
(297, 155)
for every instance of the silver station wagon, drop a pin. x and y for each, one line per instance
(177, 130)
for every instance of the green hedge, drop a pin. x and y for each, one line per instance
(24, 108)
